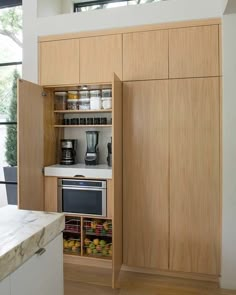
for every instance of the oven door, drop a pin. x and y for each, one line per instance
(83, 200)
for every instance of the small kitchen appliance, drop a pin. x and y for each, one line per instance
(91, 157)
(109, 156)
(68, 151)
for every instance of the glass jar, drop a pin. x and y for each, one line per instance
(106, 93)
(84, 104)
(73, 95)
(73, 104)
(95, 93)
(106, 103)
(60, 100)
(84, 94)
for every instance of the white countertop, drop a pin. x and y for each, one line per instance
(98, 171)
(22, 233)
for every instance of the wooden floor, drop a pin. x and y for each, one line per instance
(97, 283)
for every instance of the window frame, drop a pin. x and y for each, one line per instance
(79, 5)
(9, 4)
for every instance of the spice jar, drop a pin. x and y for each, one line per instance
(95, 100)
(73, 95)
(72, 104)
(60, 100)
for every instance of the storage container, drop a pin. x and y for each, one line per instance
(107, 103)
(73, 95)
(106, 93)
(60, 100)
(95, 93)
(72, 104)
(95, 103)
(84, 94)
(84, 104)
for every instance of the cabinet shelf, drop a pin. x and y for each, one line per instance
(82, 111)
(82, 126)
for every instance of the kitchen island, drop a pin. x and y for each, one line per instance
(31, 255)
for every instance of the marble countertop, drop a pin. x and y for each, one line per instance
(98, 171)
(22, 233)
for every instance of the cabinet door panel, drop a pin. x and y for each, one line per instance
(59, 62)
(41, 274)
(145, 55)
(194, 175)
(30, 141)
(100, 57)
(194, 52)
(145, 174)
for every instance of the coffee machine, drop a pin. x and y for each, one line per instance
(91, 157)
(68, 151)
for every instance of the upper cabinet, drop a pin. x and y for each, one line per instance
(100, 57)
(194, 52)
(145, 55)
(59, 62)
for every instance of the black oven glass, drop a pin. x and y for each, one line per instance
(82, 201)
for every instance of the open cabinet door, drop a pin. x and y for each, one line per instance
(30, 146)
(117, 144)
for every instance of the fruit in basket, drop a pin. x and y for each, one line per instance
(104, 252)
(74, 249)
(102, 243)
(77, 244)
(106, 226)
(65, 244)
(97, 231)
(99, 248)
(92, 246)
(107, 247)
(93, 224)
(110, 252)
(87, 241)
(95, 251)
(71, 244)
(96, 242)
(89, 251)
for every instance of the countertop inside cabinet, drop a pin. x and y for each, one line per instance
(24, 232)
(97, 171)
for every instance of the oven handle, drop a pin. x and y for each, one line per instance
(82, 188)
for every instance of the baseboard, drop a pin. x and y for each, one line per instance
(88, 261)
(183, 275)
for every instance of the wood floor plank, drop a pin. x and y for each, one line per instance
(97, 281)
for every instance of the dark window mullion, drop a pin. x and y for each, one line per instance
(79, 5)
(8, 123)
(6, 64)
(10, 3)
(8, 182)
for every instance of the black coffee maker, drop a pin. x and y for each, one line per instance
(109, 156)
(68, 151)
(91, 157)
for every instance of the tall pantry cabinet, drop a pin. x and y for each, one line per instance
(171, 76)
(172, 155)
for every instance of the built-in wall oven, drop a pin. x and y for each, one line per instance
(87, 197)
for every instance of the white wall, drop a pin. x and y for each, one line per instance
(229, 153)
(48, 8)
(164, 11)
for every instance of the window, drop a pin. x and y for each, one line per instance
(10, 71)
(85, 5)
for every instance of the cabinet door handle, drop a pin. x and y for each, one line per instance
(40, 251)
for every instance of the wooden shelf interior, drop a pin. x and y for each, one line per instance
(82, 126)
(82, 111)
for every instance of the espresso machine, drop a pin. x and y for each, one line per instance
(91, 157)
(68, 151)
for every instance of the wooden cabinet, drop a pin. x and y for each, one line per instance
(145, 55)
(194, 52)
(100, 57)
(145, 174)
(51, 194)
(194, 175)
(59, 62)
(37, 140)
(41, 274)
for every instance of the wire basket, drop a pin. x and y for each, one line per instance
(72, 226)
